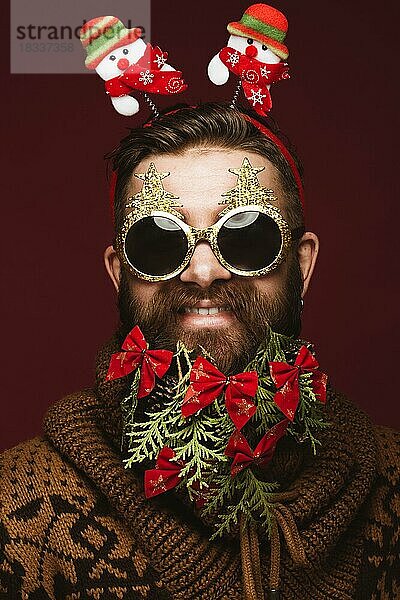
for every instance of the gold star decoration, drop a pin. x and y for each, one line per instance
(248, 189)
(153, 196)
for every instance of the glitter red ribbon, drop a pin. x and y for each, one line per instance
(165, 476)
(207, 383)
(255, 77)
(145, 75)
(136, 354)
(286, 379)
(243, 456)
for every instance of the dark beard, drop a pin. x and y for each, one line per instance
(231, 347)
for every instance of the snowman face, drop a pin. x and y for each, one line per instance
(253, 49)
(120, 59)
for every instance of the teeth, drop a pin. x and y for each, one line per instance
(213, 310)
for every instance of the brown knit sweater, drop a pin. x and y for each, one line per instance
(76, 525)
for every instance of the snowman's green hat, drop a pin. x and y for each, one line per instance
(102, 35)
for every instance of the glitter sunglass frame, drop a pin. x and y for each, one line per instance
(156, 203)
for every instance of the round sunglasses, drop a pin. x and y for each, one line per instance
(249, 240)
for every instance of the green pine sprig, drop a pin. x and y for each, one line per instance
(201, 443)
(147, 438)
(243, 494)
(128, 407)
(310, 412)
(184, 365)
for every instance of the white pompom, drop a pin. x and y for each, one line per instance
(217, 71)
(125, 105)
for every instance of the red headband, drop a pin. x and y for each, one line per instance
(264, 130)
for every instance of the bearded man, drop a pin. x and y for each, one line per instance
(211, 459)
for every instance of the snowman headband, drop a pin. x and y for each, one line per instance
(127, 64)
(255, 53)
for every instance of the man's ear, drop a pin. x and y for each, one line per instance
(113, 266)
(307, 252)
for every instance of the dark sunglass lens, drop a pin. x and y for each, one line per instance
(156, 246)
(249, 241)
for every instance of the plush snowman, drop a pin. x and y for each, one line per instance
(119, 56)
(219, 73)
(255, 52)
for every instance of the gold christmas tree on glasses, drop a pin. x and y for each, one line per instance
(153, 196)
(248, 189)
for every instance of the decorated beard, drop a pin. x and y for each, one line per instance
(205, 409)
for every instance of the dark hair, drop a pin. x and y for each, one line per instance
(210, 124)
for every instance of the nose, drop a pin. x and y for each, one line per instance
(251, 51)
(123, 64)
(204, 267)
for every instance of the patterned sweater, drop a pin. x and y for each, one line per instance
(75, 524)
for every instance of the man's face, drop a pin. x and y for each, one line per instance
(206, 305)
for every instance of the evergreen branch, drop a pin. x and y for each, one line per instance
(145, 439)
(254, 501)
(128, 407)
(182, 384)
(202, 445)
(310, 412)
(267, 415)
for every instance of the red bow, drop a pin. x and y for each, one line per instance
(286, 379)
(145, 75)
(136, 354)
(255, 77)
(207, 383)
(165, 476)
(243, 456)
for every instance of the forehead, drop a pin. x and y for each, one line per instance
(199, 176)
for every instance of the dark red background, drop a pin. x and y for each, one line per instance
(340, 109)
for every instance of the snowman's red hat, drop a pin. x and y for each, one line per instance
(264, 24)
(102, 35)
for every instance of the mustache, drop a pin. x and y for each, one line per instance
(159, 316)
(237, 295)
